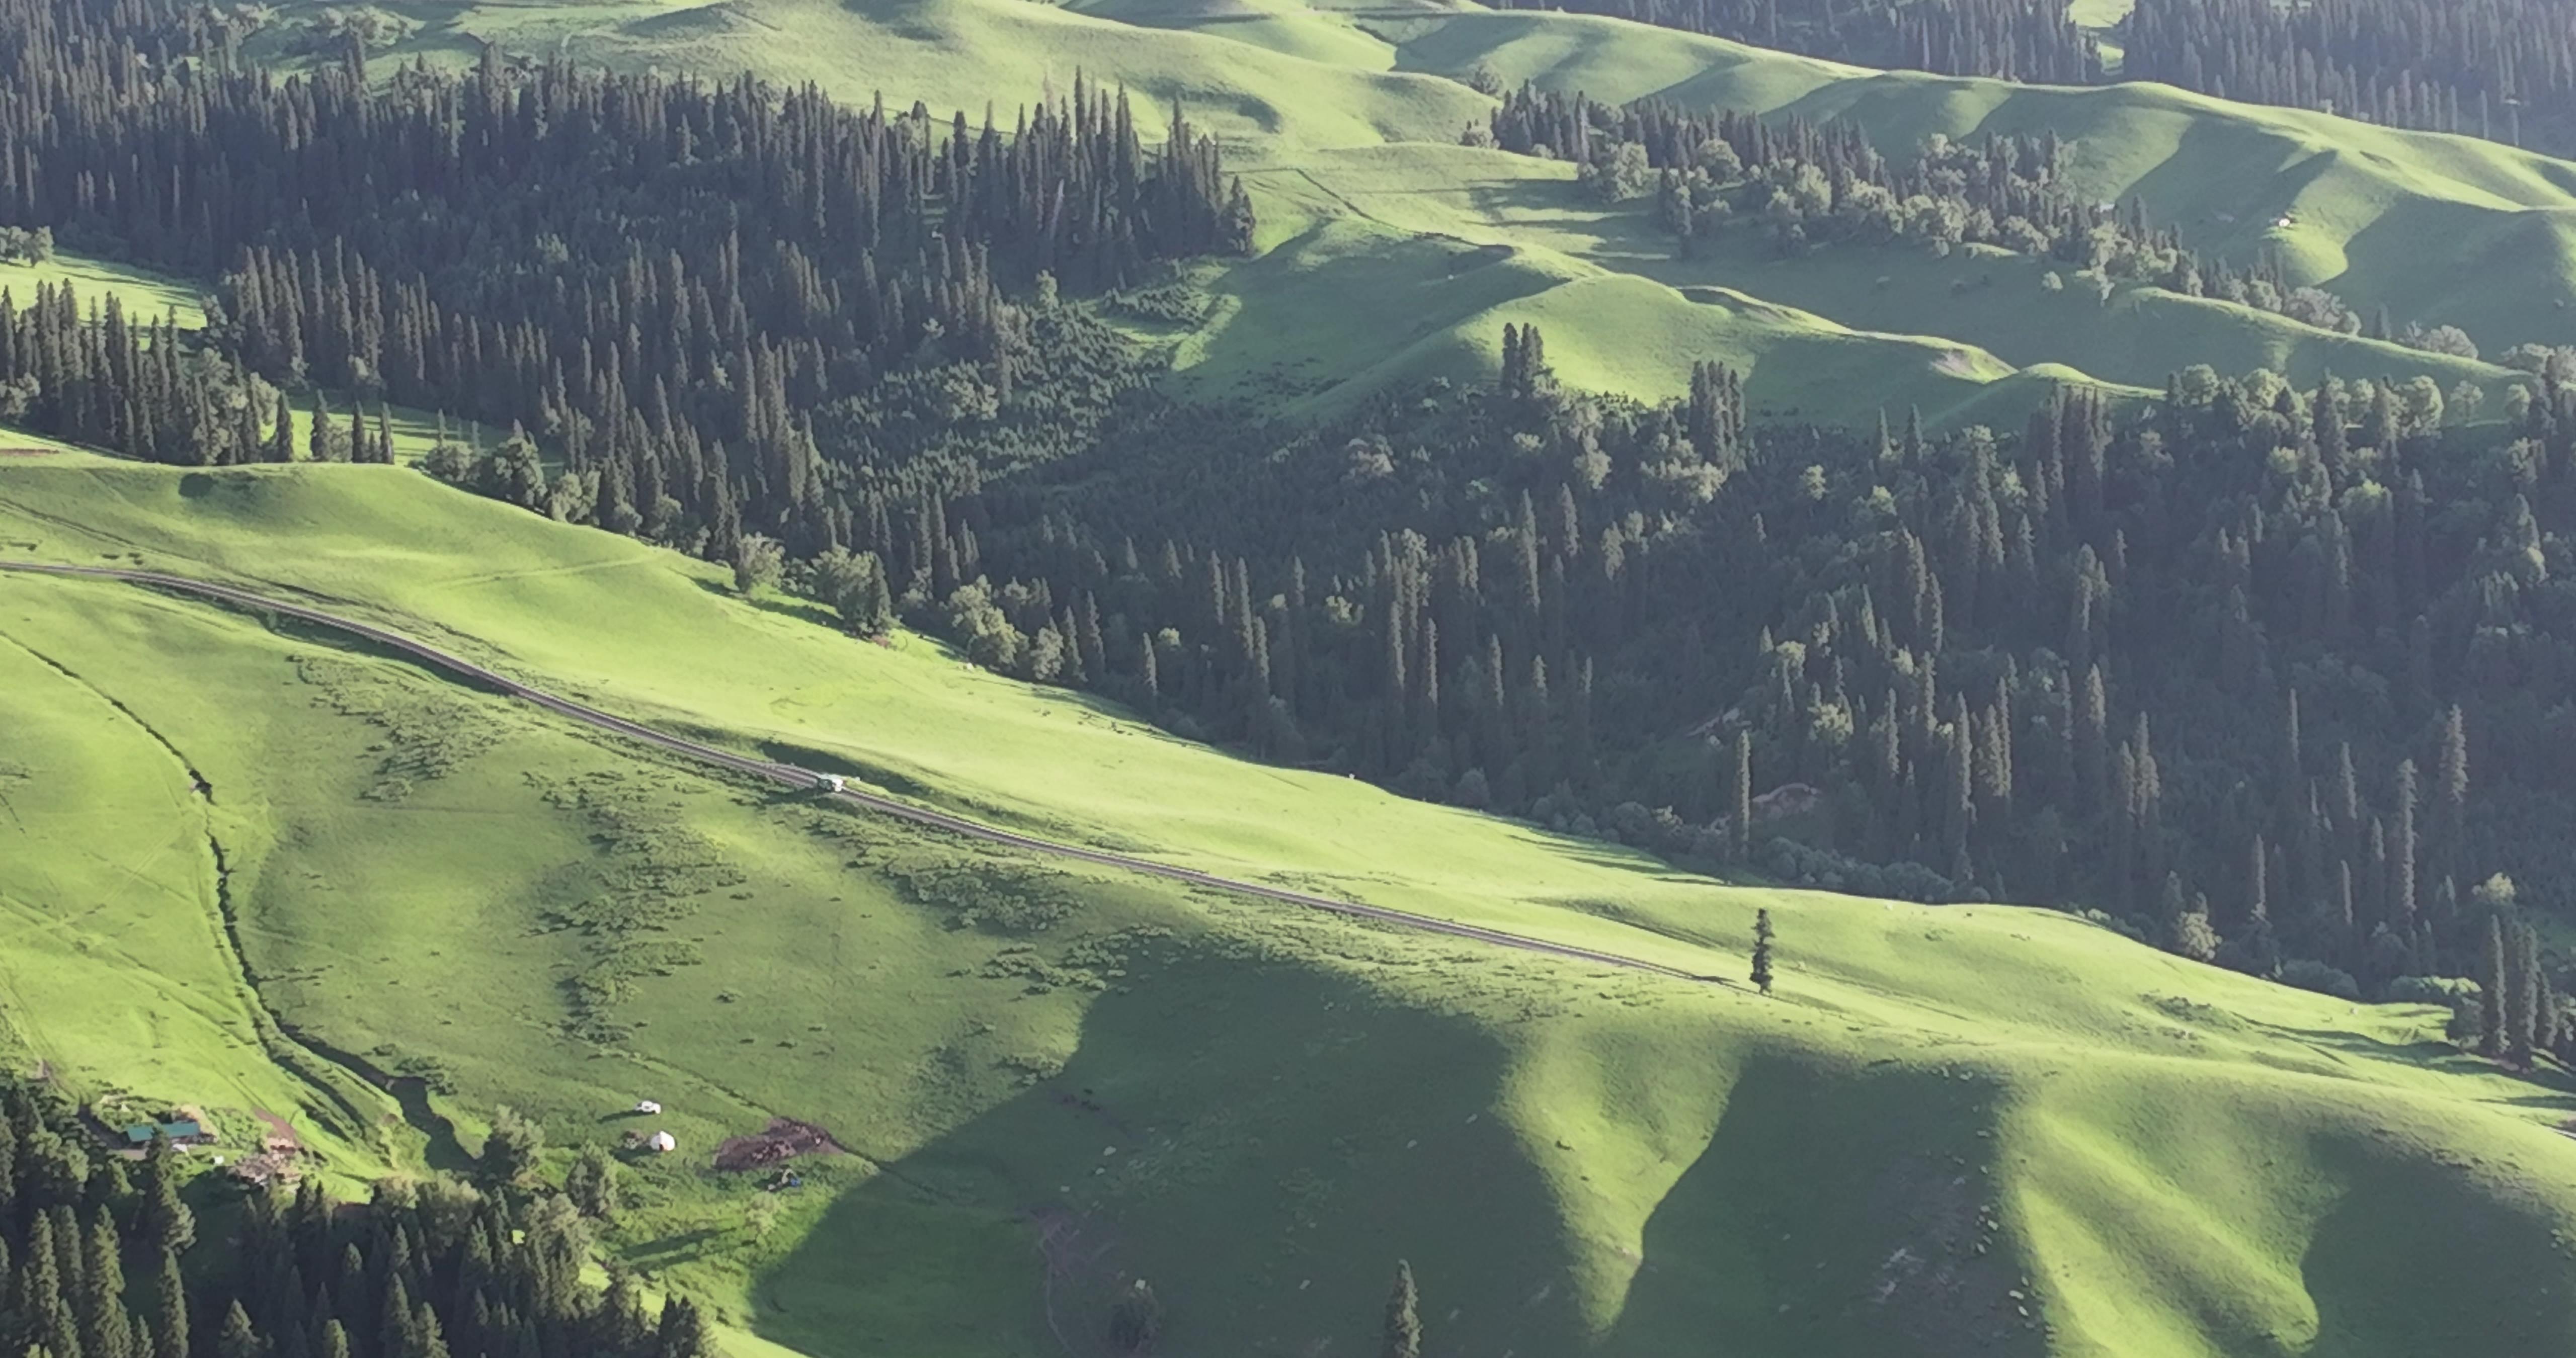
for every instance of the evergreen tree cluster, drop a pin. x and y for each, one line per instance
(90, 1267)
(2500, 69)
(1806, 185)
(2518, 1011)
(662, 278)
(2032, 40)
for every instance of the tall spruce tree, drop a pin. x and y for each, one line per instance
(169, 1227)
(1739, 821)
(1762, 944)
(1403, 1333)
(2492, 980)
(2522, 1007)
(169, 1309)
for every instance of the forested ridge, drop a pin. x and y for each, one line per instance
(92, 1243)
(663, 278)
(2269, 676)
(1806, 186)
(2048, 665)
(2500, 69)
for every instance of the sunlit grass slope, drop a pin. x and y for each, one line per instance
(146, 297)
(115, 970)
(956, 54)
(1977, 298)
(2438, 229)
(1351, 113)
(1964, 1130)
(1354, 307)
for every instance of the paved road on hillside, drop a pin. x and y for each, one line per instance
(807, 779)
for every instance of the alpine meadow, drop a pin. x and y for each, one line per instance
(1003, 679)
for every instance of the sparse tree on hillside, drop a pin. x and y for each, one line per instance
(2522, 1006)
(591, 1183)
(854, 583)
(2546, 1022)
(510, 1152)
(330, 443)
(1403, 1316)
(281, 435)
(2491, 988)
(1739, 836)
(1762, 935)
(757, 561)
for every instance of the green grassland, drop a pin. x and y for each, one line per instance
(145, 296)
(2421, 223)
(1354, 307)
(1977, 298)
(1960, 1130)
(1966, 1129)
(1347, 117)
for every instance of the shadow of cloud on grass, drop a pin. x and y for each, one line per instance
(1259, 1139)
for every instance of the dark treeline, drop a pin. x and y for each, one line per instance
(2501, 69)
(662, 279)
(2274, 676)
(1807, 185)
(2031, 40)
(90, 1266)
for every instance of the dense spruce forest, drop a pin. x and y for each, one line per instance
(2263, 674)
(2500, 69)
(91, 1248)
(662, 277)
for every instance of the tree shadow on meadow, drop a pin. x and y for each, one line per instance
(1258, 1140)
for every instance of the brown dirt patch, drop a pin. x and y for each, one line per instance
(783, 1139)
(281, 1136)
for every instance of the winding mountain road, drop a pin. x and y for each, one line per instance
(807, 779)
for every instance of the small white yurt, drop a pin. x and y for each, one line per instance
(663, 1143)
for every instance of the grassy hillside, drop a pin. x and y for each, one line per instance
(2420, 223)
(114, 965)
(1344, 116)
(1958, 1130)
(145, 296)
(1978, 298)
(1354, 306)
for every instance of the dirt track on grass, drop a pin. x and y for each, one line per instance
(807, 779)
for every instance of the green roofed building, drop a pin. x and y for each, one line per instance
(180, 1133)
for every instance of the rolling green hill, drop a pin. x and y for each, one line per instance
(1347, 116)
(1957, 1130)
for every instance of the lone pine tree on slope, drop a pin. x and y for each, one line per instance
(1762, 935)
(1403, 1316)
